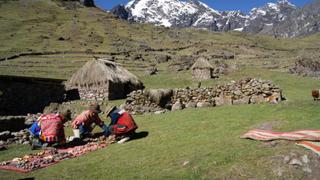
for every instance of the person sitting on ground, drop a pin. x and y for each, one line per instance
(122, 125)
(48, 130)
(85, 121)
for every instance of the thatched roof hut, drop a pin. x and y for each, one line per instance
(104, 79)
(202, 69)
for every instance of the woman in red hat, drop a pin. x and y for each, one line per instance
(122, 124)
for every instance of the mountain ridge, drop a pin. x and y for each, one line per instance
(269, 19)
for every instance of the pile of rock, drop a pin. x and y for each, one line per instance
(21, 137)
(306, 67)
(139, 102)
(246, 91)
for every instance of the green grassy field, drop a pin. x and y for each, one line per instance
(187, 144)
(206, 140)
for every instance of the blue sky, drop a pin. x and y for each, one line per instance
(243, 5)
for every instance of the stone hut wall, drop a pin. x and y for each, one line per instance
(98, 91)
(108, 91)
(202, 74)
(22, 95)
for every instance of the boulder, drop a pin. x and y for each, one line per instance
(191, 105)
(177, 106)
(159, 96)
(160, 112)
(204, 104)
(257, 99)
(223, 100)
(245, 100)
(5, 135)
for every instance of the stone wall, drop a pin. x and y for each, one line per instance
(246, 91)
(22, 95)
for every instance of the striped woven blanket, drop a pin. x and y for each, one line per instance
(265, 135)
(309, 139)
(313, 146)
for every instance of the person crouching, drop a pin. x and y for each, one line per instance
(122, 125)
(48, 130)
(85, 121)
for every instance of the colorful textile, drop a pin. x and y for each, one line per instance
(313, 146)
(52, 128)
(47, 158)
(307, 138)
(264, 135)
(35, 129)
(87, 118)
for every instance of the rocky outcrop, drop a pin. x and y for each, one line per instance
(246, 91)
(306, 67)
(20, 137)
(120, 11)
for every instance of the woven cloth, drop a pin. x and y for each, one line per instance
(309, 139)
(265, 135)
(47, 158)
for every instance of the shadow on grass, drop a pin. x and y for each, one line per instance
(139, 135)
(80, 142)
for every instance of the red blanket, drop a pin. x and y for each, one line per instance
(47, 158)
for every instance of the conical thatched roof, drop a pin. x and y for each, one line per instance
(202, 63)
(101, 71)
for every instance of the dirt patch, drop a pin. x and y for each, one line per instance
(296, 165)
(269, 125)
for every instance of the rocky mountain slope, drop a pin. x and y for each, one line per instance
(278, 19)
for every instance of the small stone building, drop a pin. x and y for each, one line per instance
(102, 79)
(202, 69)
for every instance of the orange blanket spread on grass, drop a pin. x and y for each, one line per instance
(309, 139)
(47, 158)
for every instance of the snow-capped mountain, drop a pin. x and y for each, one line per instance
(232, 20)
(264, 19)
(174, 13)
(279, 19)
(303, 21)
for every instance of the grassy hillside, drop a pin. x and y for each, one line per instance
(46, 26)
(188, 144)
